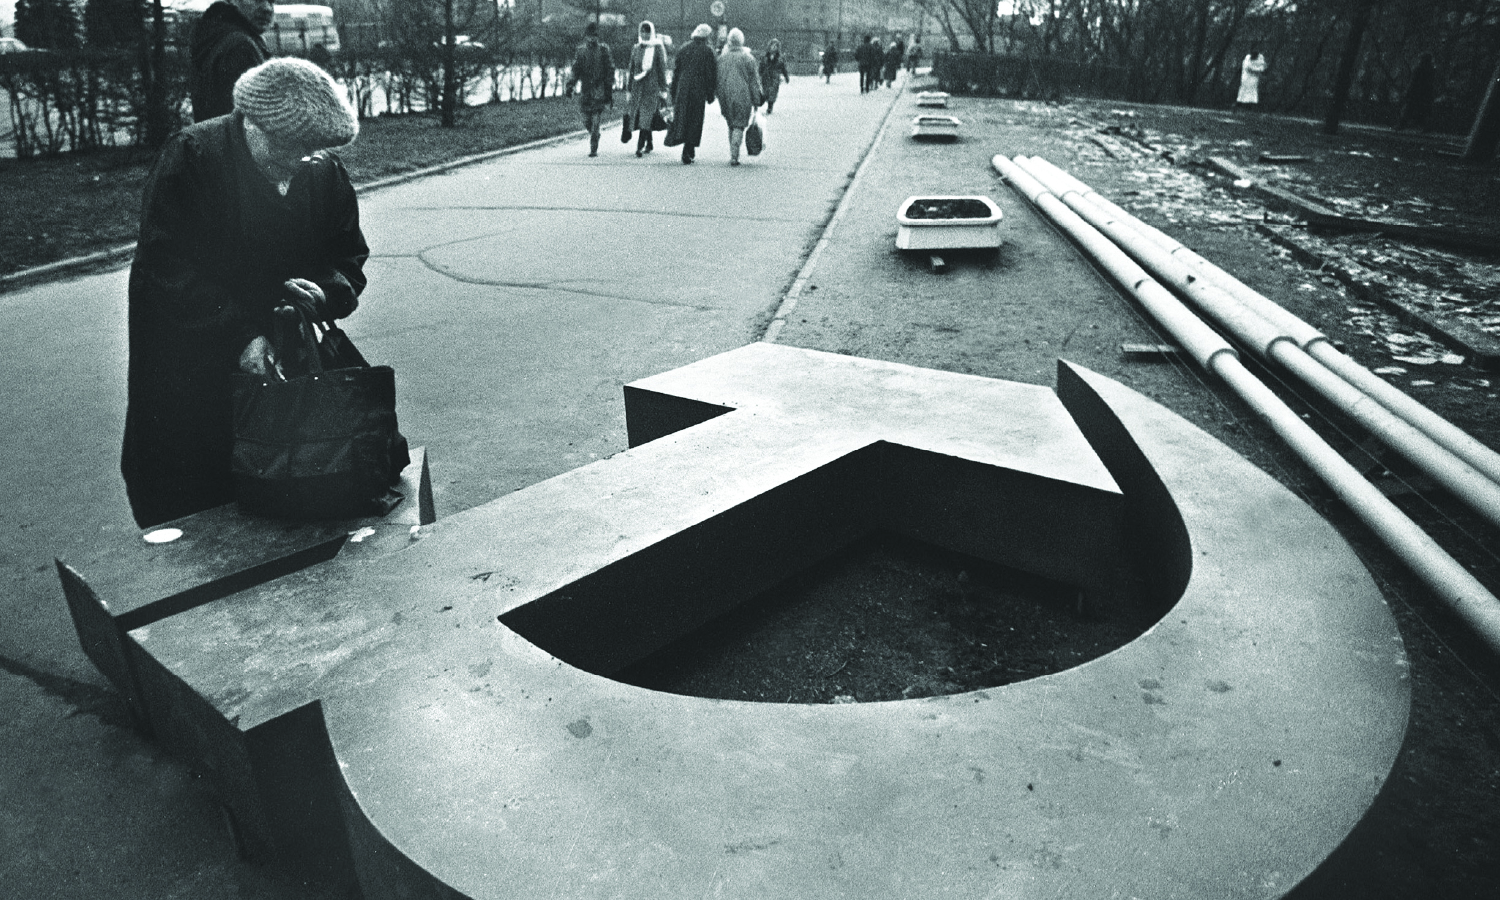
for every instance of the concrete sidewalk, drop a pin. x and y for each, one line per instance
(513, 297)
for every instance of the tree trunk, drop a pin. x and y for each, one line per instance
(449, 102)
(1347, 64)
(1486, 131)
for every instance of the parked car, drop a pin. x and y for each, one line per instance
(12, 45)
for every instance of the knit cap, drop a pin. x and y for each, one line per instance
(297, 102)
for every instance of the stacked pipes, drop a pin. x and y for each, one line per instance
(1122, 245)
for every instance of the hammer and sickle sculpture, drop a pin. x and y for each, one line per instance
(439, 721)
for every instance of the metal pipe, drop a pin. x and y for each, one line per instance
(1448, 580)
(1470, 486)
(1457, 441)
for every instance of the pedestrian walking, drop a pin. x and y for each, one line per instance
(894, 54)
(739, 90)
(594, 74)
(830, 62)
(914, 57)
(1417, 105)
(695, 80)
(1252, 67)
(242, 214)
(867, 56)
(772, 72)
(647, 84)
(225, 44)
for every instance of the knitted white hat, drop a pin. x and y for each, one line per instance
(295, 100)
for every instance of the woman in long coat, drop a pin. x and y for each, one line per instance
(695, 78)
(648, 84)
(739, 90)
(232, 224)
(772, 73)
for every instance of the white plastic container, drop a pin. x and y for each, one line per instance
(935, 126)
(959, 232)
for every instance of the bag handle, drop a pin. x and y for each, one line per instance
(303, 336)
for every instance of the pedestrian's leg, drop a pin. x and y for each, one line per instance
(593, 120)
(643, 137)
(736, 136)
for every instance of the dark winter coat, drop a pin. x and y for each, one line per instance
(772, 73)
(830, 60)
(695, 79)
(594, 70)
(217, 242)
(224, 46)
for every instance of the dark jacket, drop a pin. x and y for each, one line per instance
(772, 68)
(695, 78)
(224, 46)
(594, 70)
(217, 242)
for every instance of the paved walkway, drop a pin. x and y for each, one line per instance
(514, 297)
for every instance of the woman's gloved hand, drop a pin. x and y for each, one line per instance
(309, 296)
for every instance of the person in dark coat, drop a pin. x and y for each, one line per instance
(868, 57)
(1417, 105)
(226, 43)
(695, 79)
(241, 214)
(594, 73)
(772, 73)
(830, 62)
(895, 57)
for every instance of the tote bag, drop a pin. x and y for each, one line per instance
(319, 445)
(755, 139)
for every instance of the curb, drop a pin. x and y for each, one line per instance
(1481, 347)
(73, 265)
(804, 274)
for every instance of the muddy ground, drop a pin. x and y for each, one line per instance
(890, 619)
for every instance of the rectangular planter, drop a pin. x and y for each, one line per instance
(958, 233)
(935, 126)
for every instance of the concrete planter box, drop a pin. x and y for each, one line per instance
(948, 223)
(933, 98)
(935, 126)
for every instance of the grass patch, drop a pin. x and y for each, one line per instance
(61, 207)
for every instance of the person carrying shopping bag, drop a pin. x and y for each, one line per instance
(739, 90)
(647, 85)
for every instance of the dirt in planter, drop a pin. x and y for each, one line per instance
(948, 209)
(888, 619)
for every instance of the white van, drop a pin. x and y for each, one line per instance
(298, 29)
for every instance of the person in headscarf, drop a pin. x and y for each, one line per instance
(647, 84)
(772, 72)
(695, 79)
(242, 214)
(594, 74)
(739, 89)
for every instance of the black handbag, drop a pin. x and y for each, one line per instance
(320, 443)
(755, 140)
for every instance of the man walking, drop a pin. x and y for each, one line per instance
(226, 44)
(695, 79)
(594, 73)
